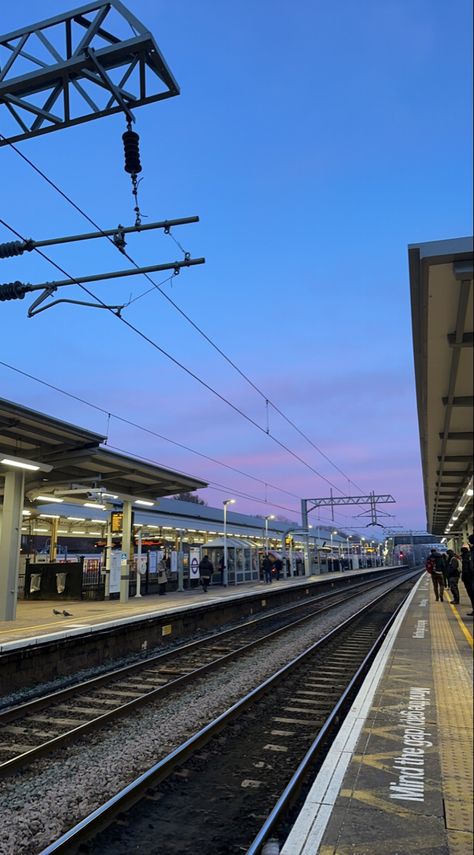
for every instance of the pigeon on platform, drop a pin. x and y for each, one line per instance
(66, 614)
(55, 612)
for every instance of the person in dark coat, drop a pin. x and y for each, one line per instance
(454, 573)
(435, 567)
(206, 569)
(444, 558)
(278, 565)
(467, 574)
(267, 568)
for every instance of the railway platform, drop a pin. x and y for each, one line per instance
(36, 622)
(398, 778)
(50, 641)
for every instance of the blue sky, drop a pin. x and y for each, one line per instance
(315, 141)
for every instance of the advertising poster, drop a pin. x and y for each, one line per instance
(174, 562)
(115, 565)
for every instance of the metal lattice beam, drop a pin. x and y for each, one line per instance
(351, 500)
(72, 83)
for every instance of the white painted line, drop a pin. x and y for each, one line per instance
(308, 830)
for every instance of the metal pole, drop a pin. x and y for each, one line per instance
(126, 551)
(121, 230)
(304, 526)
(139, 564)
(225, 574)
(266, 535)
(108, 558)
(112, 274)
(180, 563)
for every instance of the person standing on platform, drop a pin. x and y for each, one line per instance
(435, 567)
(278, 565)
(206, 570)
(162, 577)
(453, 575)
(467, 574)
(267, 568)
(444, 559)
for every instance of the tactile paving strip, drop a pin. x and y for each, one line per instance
(453, 686)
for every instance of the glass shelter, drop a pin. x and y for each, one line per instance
(242, 559)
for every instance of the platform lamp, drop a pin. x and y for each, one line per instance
(269, 517)
(225, 575)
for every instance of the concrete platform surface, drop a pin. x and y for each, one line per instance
(398, 779)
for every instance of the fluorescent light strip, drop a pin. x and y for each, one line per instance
(48, 499)
(144, 503)
(19, 464)
(94, 505)
(77, 519)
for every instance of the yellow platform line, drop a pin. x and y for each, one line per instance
(453, 693)
(470, 639)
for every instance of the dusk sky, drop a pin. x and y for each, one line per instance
(315, 141)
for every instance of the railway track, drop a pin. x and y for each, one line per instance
(217, 790)
(38, 727)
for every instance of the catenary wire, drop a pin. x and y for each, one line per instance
(154, 433)
(215, 485)
(177, 362)
(175, 305)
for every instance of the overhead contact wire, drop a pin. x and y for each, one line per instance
(190, 321)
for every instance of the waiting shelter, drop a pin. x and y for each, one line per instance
(242, 559)
(45, 459)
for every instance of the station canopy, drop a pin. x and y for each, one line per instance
(80, 462)
(441, 275)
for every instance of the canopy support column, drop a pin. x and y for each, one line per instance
(10, 543)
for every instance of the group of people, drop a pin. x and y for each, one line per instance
(446, 568)
(270, 569)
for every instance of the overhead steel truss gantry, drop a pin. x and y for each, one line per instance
(78, 64)
(308, 505)
(85, 64)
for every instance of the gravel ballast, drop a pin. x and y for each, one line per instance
(41, 802)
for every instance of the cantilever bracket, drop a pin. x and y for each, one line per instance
(43, 296)
(32, 312)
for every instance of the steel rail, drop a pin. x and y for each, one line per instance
(102, 817)
(294, 785)
(186, 679)
(13, 713)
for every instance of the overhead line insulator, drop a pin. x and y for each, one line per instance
(132, 152)
(15, 247)
(13, 291)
